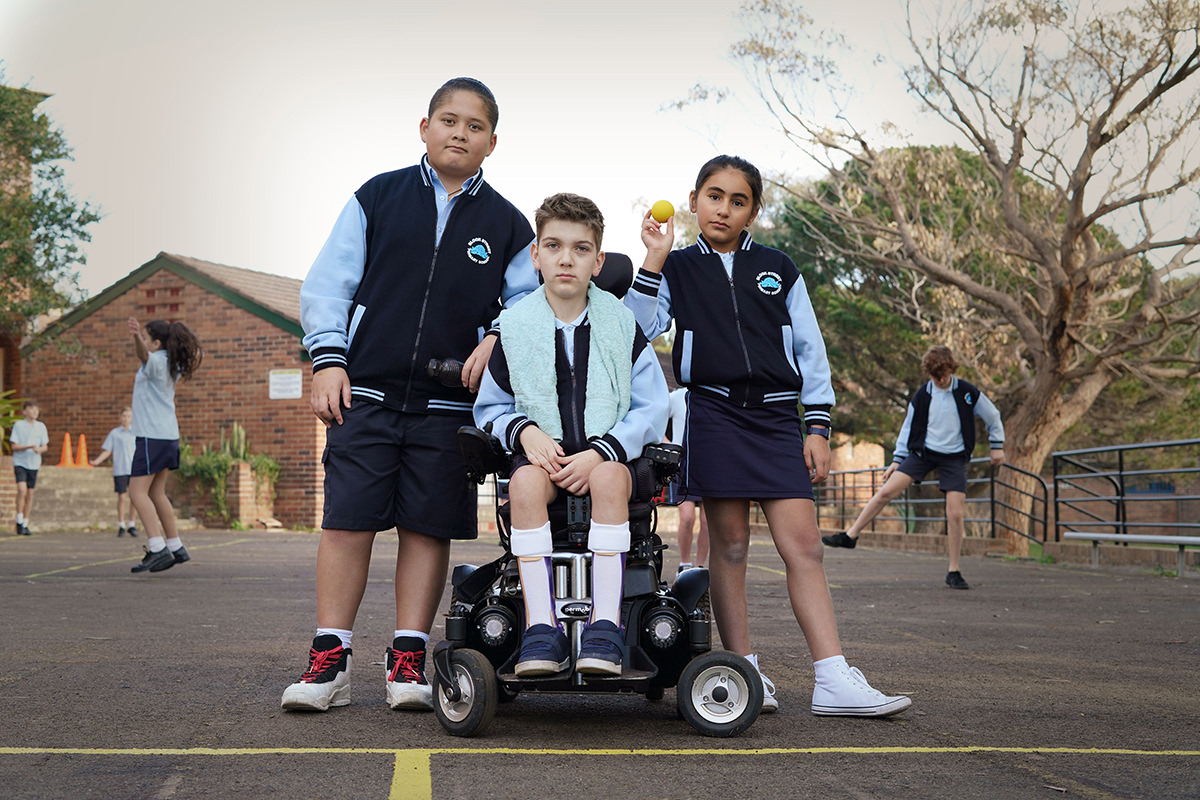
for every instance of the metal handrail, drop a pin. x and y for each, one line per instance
(1123, 495)
(836, 494)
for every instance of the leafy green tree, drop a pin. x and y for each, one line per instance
(42, 226)
(1054, 254)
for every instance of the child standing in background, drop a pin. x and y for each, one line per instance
(28, 439)
(120, 444)
(169, 352)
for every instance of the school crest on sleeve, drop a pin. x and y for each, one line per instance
(769, 282)
(479, 251)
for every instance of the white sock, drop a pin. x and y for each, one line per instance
(608, 583)
(20, 519)
(536, 581)
(424, 637)
(156, 543)
(174, 543)
(345, 636)
(122, 524)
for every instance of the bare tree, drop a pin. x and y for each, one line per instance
(1058, 244)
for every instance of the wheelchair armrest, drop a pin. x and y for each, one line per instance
(482, 454)
(665, 460)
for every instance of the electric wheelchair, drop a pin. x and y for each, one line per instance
(667, 628)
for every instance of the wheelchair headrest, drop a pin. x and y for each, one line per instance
(616, 276)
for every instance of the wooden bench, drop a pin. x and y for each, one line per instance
(1140, 538)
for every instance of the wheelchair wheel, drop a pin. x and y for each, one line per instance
(720, 694)
(476, 681)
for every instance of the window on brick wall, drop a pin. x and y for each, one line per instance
(172, 307)
(175, 291)
(150, 294)
(150, 309)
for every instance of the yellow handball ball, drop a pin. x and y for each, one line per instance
(662, 211)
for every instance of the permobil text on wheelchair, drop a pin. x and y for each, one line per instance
(667, 628)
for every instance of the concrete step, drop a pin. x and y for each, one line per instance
(70, 499)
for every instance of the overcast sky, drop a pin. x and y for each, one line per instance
(235, 131)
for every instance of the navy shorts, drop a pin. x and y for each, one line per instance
(120, 484)
(152, 456)
(26, 476)
(677, 492)
(386, 469)
(951, 470)
(756, 453)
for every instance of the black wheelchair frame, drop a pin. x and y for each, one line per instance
(668, 628)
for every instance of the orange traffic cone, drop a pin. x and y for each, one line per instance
(81, 458)
(66, 460)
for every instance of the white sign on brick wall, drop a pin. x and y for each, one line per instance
(285, 384)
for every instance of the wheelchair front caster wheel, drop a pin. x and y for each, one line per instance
(720, 694)
(471, 713)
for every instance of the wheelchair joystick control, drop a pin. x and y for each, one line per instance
(446, 371)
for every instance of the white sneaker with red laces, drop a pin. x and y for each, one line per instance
(406, 684)
(326, 682)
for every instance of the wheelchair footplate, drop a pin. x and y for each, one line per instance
(637, 669)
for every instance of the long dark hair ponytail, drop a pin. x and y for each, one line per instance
(184, 353)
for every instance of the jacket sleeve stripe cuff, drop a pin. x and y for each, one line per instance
(321, 359)
(817, 415)
(609, 448)
(514, 433)
(647, 282)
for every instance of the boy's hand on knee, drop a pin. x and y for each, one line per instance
(541, 450)
(330, 391)
(575, 475)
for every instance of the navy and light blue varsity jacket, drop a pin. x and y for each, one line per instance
(643, 424)
(387, 294)
(752, 339)
(950, 429)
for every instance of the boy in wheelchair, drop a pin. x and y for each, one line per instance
(575, 391)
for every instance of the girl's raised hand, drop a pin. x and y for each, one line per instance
(658, 239)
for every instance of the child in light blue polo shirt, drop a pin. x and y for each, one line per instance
(29, 440)
(120, 444)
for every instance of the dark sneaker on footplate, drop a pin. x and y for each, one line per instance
(181, 555)
(406, 684)
(839, 540)
(955, 580)
(155, 562)
(544, 651)
(847, 694)
(326, 682)
(601, 649)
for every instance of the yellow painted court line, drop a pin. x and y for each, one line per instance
(124, 560)
(411, 779)
(410, 758)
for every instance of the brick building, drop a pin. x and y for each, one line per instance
(80, 369)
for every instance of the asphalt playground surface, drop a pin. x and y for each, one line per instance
(1041, 681)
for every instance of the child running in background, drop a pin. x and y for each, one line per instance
(120, 444)
(574, 389)
(938, 433)
(748, 347)
(169, 352)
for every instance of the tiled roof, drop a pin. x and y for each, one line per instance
(275, 292)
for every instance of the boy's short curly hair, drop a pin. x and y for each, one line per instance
(938, 361)
(570, 208)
